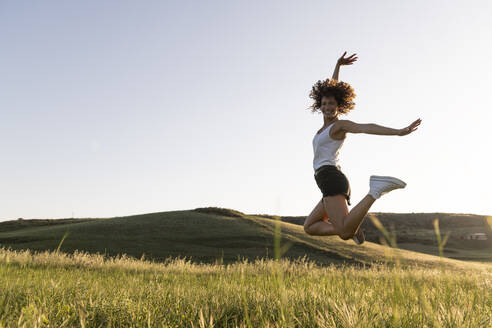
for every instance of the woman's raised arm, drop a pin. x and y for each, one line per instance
(342, 61)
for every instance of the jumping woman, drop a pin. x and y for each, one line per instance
(331, 215)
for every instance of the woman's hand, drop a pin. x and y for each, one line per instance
(342, 61)
(409, 129)
(346, 61)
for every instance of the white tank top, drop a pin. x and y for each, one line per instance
(326, 149)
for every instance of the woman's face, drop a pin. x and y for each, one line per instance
(329, 106)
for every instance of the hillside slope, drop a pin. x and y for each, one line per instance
(201, 235)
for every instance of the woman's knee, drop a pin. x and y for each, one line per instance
(346, 235)
(307, 229)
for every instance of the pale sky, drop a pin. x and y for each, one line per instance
(114, 108)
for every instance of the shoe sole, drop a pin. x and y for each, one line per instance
(393, 180)
(357, 241)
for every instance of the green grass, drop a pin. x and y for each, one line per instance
(87, 290)
(222, 268)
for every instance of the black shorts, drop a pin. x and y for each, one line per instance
(331, 181)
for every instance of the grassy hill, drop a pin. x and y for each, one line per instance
(205, 235)
(73, 288)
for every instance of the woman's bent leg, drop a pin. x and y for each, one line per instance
(346, 223)
(317, 224)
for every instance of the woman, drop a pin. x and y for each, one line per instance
(331, 215)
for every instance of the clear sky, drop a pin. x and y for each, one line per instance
(113, 108)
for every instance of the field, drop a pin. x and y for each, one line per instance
(82, 290)
(222, 268)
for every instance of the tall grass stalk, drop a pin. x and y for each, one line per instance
(61, 241)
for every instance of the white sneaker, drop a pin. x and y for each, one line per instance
(380, 185)
(359, 237)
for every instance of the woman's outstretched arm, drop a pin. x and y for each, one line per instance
(342, 61)
(371, 128)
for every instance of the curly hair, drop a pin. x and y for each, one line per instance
(342, 91)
